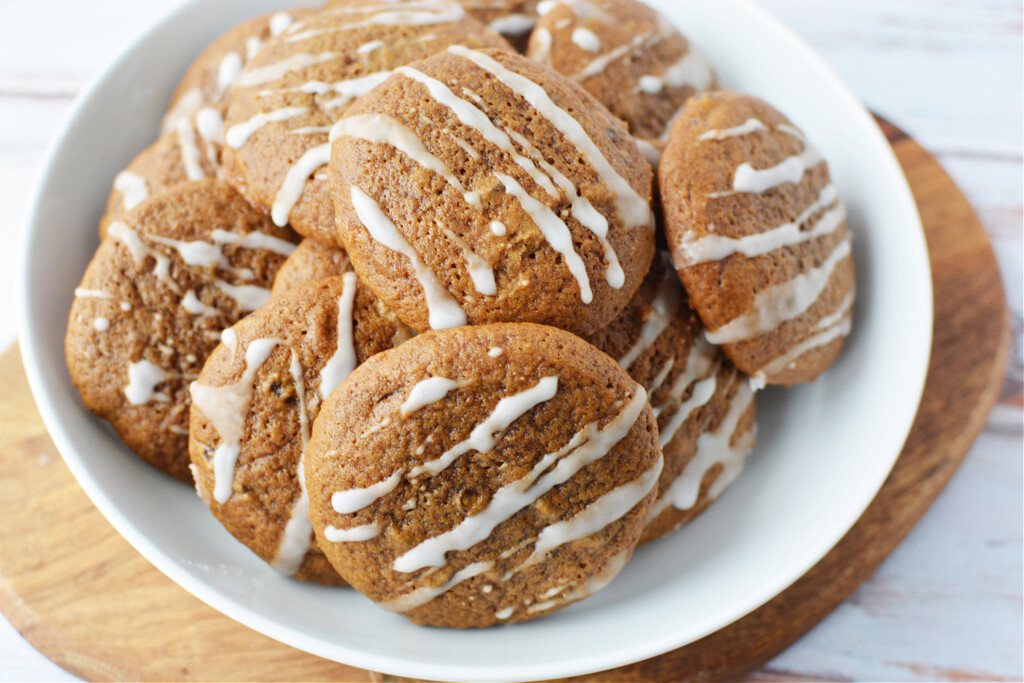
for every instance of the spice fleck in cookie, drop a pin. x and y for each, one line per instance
(478, 186)
(284, 102)
(693, 389)
(254, 404)
(175, 271)
(625, 54)
(483, 475)
(758, 234)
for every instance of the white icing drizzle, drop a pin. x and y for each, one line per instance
(387, 130)
(249, 297)
(486, 434)
(444, 13)
(659, 316)
(791, 170)
(541, 42)
(92, 294)
(344, 360)
(713, 448)
(717, 247)
(252, 46)
(513, 24)
(589, 445)
(228, 71)
(600, 64)
(699, 363)
(422, 596)
(693, 71)
(280, 22)
(371, 46)
(634, 209)
(590, 586)
(210, 124)
(352, 500)
(189, 150)
(467, 148)
(226, 407)
(240, 133)
(650, 152)
(499, 229)
(133, 188)
(139, 250)
(495, 352)
(193, 305)
(703, 392)
(355, 87)
(143, 377)
(504, 613)
(277, 70)
(443, 310)
(295, 182)
(195, 253)
(254, 240)
(837, 324)
(354, 535)
(777, 304)
(746, 128)
(185, 108)
(430, 390)
(101, 324)
(586, 39)
(298, 531)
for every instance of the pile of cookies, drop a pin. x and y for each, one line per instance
(414, 314)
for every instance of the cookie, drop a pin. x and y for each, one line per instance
(175, 271)
(478, 186)
(513, 19)
(284, 102)
(483, 475)
(310, 262)
(758, 234)
(166, 162)
(253, 406)
(703, 405)
(624, 53)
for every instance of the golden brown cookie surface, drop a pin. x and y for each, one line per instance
(285, 100)
(625, 54)
(758, 234)
(179, 268)
(478, 186)
(254, 404)
(483, 475)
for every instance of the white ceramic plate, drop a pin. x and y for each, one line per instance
(824, 450)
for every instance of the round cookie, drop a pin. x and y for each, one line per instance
(624, 53)
(483, 475)
(161, 165)
(758, 234)
(175, 271)
(284, 102)
(478, 186)
(704, 406)
(514, 19)
(253, 405)
(311, 261)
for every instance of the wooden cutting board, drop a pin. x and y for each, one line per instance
(87, 600)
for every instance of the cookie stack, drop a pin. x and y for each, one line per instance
(390, 294)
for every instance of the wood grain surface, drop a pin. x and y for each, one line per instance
(80, 594)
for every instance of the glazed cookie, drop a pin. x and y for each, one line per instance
(758, 235)
(310, 262)
(253, 405)
(296, 87)
(478, 186)
(483, 475)
(704, 406)
(513, 19)
(625, 54)
(175, 271)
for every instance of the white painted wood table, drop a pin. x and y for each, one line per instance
(947, 604)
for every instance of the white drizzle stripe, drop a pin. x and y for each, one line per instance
(430, 390)
(294, 184)
(195, 306)
(692, 70)
(210, 124)
(746, 128)
(597, 515)
(703, 391)
(592, 585)
(480, 271)
(634, 209)
(139, 251)
(699, 363)
(352, 500)
(659, 317)
(133, 188)
(353, 535)
(227, 408)
(92, 294)
(600, 64)
(555, 231)
(780, 303)
(443, 310)
(791, 170)
(840, 328)
(585, 39)
(387, 130)
(238, 134)
(298, 531)
(718, 247)
(713, 448)
(280, 22)
(344, 360)
(513, 24)
(446, 13)
(189, 150)
(249, 297)
(355, 87)
(587, 446)
(143, 377)
(277, 70)
(485, 435)
(254, 240)
(422, 596)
